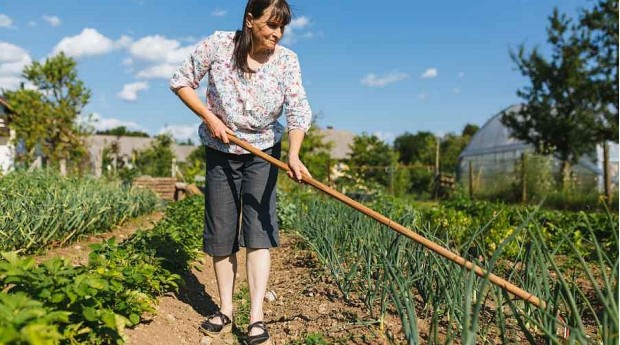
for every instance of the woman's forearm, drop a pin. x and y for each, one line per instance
(193, 102)
(295, 137)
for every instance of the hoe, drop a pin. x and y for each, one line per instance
(505, 285)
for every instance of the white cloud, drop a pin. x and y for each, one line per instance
(10, 83)
(5, 21)
(293, 30)
(163, 71)
(219, 13)
(88, 43)
(157, 57)
(52, 20)
(188, 39)
(177, 56)
(429, 73)
(13, 59)
(373, 80)
(128, 61)
(11, 53)
(130, 91)
(101, 124)
(123, 42)
(182, 132)
(299, 23)
(156, 48)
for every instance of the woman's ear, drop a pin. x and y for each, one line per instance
(248, 20)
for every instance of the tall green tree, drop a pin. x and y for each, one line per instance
(469, 130)
(563, 111)
(195, 164)
(452, 145)
(156, 161)
(416, 148)
(450, 149)
(598, 36)
(47, 119)
(372, 159)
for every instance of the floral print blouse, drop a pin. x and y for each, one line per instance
(248, 106)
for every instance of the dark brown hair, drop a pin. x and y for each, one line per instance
(243, 38)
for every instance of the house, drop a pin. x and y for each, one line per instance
(340, 150)
(7, 150)
(340, 142)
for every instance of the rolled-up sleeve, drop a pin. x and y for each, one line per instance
(194, 68)
(298, 112)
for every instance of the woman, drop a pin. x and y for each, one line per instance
(251, 81)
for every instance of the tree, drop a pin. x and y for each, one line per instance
(599, 39)
(563, 106)
(450, 148)
(469, 130)
(452, 145)
(416, 148)
(47, 119)
(156, 161)
(372, 159)
(122, 131)
(195, 164)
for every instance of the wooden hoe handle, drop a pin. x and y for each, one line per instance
(513, 289)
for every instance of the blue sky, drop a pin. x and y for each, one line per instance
(400, 66)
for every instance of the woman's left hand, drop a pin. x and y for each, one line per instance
(297, 168)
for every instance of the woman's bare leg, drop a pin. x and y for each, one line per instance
(258, 264)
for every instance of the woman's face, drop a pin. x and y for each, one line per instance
(266, 32)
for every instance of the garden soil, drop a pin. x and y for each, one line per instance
(306, 304)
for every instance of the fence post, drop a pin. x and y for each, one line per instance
(391, 178)
(63, 167)
(329, 171)
(523, 178)
(471, 181)
(606, 177)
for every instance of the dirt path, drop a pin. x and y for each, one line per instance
(78, 252)
(306, 303)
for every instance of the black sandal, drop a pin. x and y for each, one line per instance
(262, 338)
(209, 328)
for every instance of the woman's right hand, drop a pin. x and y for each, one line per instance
(217, 128)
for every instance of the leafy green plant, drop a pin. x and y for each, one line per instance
(26, 321)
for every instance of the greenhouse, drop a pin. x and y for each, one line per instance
(493, 157)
